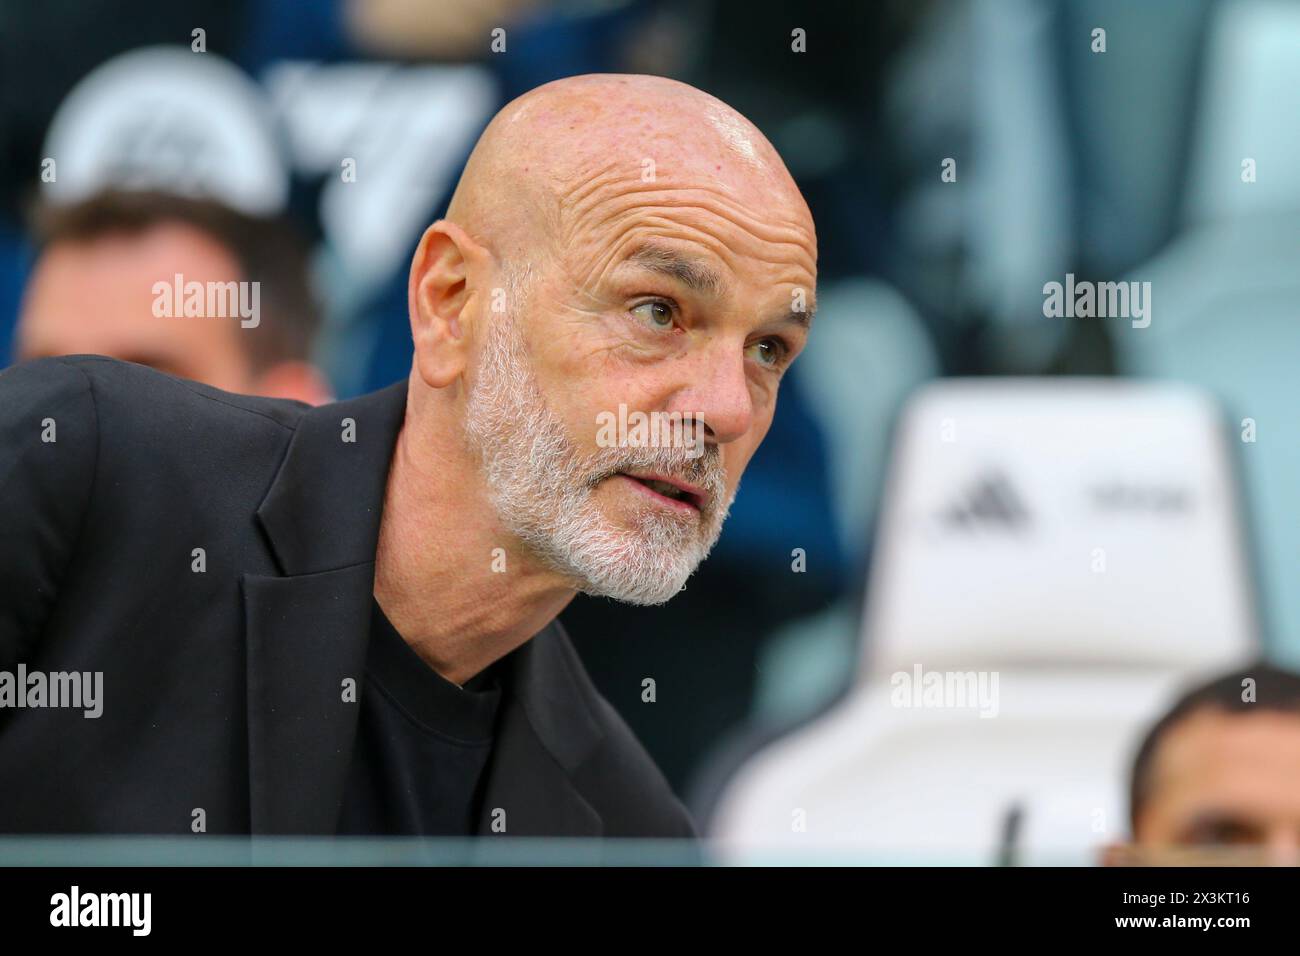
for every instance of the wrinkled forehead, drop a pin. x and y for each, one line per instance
(716, 205)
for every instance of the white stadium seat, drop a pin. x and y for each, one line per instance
(1072, 543)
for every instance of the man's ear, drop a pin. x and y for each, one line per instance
(441, 292)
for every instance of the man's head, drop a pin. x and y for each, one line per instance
(94, 289)
(618, 246)
(1222, 768)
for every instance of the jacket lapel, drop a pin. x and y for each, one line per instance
(307, 631)
(545, 732)
(527, 793)
(306, 636)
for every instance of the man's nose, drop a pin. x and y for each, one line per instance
(719, 393)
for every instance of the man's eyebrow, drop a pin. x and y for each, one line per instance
(699, 276)
(803, 318)
(690, 272)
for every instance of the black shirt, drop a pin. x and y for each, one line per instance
(422, 743)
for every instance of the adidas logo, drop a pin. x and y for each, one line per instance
(990, 501)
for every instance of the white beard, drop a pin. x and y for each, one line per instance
(543, 487)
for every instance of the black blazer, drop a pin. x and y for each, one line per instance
(222, 688)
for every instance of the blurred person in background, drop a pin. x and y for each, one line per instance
(1217, 778)
(92, 290)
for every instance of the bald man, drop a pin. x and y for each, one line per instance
(280, 619)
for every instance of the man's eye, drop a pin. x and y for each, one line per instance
(1224, 832)
(769, 353)
(656, 313)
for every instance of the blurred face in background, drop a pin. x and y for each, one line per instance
(1226, 780)
(96, 296)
